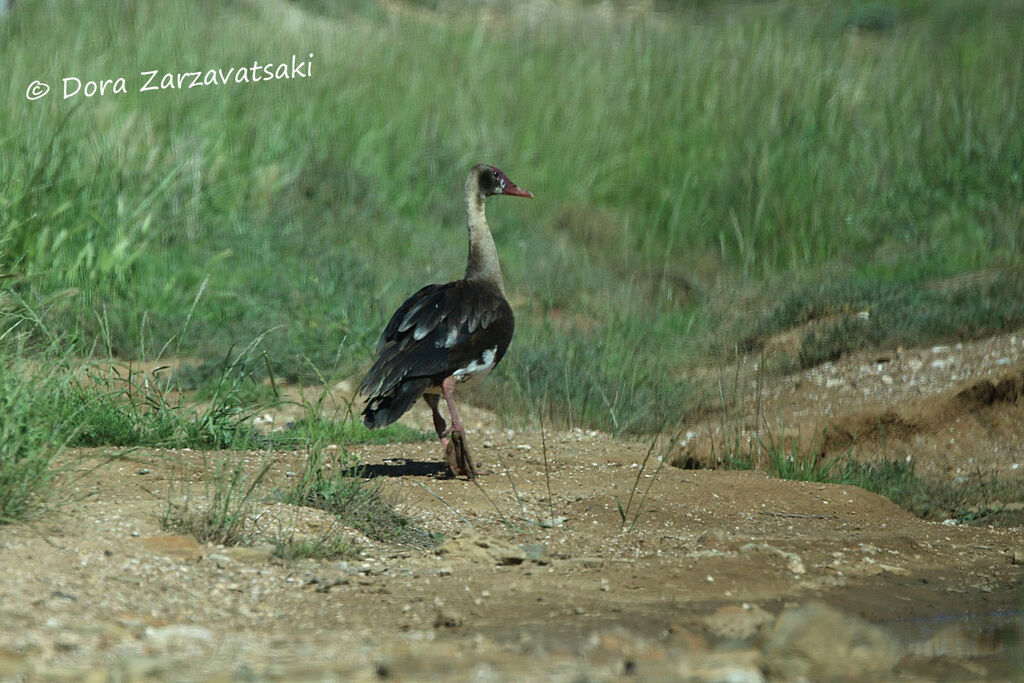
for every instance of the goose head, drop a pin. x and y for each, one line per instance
(490, 181)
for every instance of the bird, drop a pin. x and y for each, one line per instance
(447, 334)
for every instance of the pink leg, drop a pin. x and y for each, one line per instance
(439, 425)
(457, 450)
(448, 389)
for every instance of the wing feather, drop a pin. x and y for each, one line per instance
(438, 330)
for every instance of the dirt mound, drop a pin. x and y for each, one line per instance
(954, 410)
(1006, 389)
(986, 401)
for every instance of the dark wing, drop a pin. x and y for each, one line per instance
(438, 330)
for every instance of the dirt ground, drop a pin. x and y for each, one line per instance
(548, 570)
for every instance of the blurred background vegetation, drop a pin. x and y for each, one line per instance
(707, 175)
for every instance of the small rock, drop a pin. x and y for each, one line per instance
(793, 561)
(144, 470)
(689, 640)
(447, 618)
(818, 642)
(716, 539)
(737, 623)
(536, 552)
(470, 545)
(252, 555)
(730, 666)
(587, 562)
(181, 547)
(177, 634)
(1017, 555)
(217, 558)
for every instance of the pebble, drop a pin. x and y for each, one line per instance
(536, 552)
(794, 562)
(180, 547)
(587, 562)
(252, 555)
(737, 622)
(819, 642)
(176, 634)
(447, 618)
(471, 545)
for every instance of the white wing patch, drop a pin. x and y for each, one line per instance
(449, 341)
(477, 368)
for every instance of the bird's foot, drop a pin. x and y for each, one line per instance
(457, 454)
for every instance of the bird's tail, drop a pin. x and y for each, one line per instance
(381, 411)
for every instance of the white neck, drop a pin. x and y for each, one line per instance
(482, 264)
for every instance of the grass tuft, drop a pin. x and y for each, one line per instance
(331, 480)
(223, 516)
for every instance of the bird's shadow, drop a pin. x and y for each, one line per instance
(400, 467)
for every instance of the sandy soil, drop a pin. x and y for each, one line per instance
(539, 576)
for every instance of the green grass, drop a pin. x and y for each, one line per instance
(31, 436)
(891, 313)
(222, 514)
(692, 165)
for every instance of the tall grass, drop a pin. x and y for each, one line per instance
(29, 439)
(679, 155)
